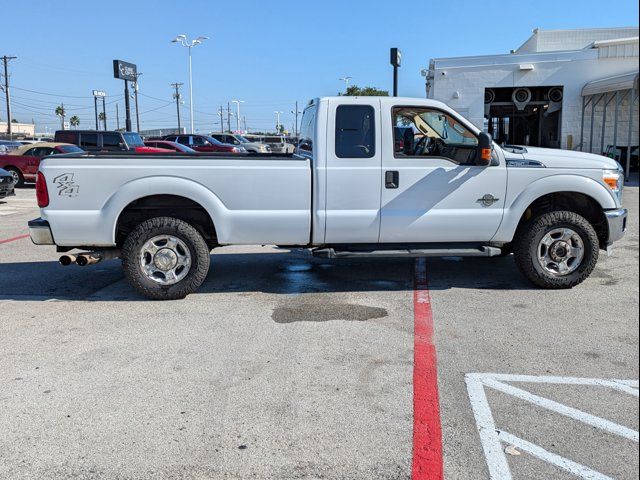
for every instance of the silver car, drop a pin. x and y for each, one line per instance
(239, 140)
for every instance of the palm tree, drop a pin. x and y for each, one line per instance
(102, 117)
(61, 112)
(74, 121)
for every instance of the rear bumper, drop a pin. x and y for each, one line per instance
(40, 232)
(617, 221)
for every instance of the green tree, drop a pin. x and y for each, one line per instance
(356, 91)
(61, 112)
(74, 121)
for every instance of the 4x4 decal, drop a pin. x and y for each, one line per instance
(66, 186)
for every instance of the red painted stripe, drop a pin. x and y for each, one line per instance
(427, 430)
(13, 239)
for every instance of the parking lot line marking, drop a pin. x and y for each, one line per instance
(552, 458)
(565, 410)
(493, 438)
(427, 430)
(13, 239)
(496, 461)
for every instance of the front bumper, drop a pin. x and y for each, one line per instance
(617, 221)
(40, 232)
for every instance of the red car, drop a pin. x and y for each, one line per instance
(172, 146)
(204, 143)
(23, 162)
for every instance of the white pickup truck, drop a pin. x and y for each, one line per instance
(373, 176)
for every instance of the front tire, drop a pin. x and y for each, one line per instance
(556, 250)
(165, 258)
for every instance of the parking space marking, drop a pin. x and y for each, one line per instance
(427, 430)
(492, 438)
(13, 239)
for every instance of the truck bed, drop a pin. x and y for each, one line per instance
(251, 199)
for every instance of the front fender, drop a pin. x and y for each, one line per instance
(164, 185)
(545, 186)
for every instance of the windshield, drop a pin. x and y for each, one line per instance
(69, 149)
(242, 139)
(133, 139)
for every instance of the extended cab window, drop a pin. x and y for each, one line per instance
(111, 141)
(355, 136)
(428, 132)
(89, 140)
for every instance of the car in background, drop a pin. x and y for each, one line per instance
(239, 140)
(105, 141)
(204, 143)
(279, 144)
(171, 146)
(6, 184)
(7, 146)
(24, 161)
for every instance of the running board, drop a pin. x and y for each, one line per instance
(418, 252)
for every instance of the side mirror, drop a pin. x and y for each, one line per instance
(485, 148)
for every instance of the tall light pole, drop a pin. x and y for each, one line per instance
(278, 120)
(346, 83)
(237, 102)
(182, 40)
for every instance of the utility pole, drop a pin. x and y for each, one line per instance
(244, 122)
(177, 96)
(296, 112)
(117, 117)
(5, 60)
(221, 119)
(135, 96)
(229, 116)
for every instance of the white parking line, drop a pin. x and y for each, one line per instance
(491, 437)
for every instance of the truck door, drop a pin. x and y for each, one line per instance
(353, 171)
(432, 190)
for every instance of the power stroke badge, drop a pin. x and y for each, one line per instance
(66, 186)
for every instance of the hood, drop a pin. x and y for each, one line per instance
(555, 158)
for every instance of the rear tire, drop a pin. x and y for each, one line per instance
(18, 178)
(539, 246)
(140, 265)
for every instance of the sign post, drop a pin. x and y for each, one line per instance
(396, 57)
(128, 72)
(98, 94)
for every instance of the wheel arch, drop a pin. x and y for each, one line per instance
(165, 196)
(581, 195)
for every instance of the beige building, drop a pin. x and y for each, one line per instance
(22, 129)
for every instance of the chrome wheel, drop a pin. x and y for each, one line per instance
(560, 252)
(16, 176)
(165, 259)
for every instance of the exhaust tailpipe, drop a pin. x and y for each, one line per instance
(91, 258)
(66, 260)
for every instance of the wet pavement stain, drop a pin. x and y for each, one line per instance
(312, 312)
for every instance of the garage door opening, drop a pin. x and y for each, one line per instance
(524, 115)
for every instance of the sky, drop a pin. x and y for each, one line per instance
(268, 54)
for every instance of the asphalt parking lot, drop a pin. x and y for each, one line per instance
(284, 366)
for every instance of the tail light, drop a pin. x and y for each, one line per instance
(42, 194)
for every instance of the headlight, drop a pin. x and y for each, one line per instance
(614, 179)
